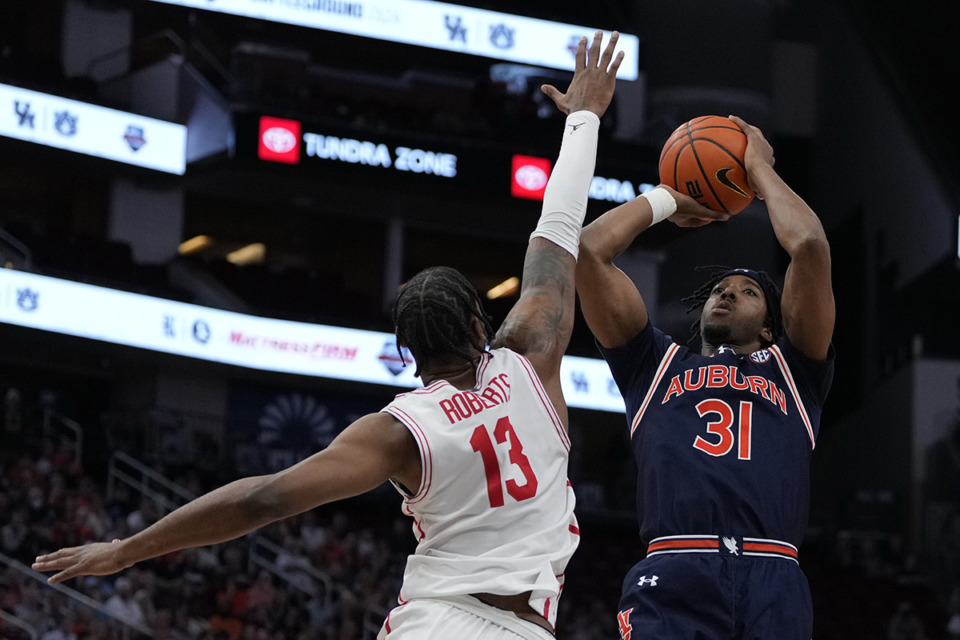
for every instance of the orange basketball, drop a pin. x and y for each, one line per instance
(703, 158)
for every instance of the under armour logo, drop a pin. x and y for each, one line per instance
(731, 545)
(644, 581)
(722, 349)
(623, 620)
(455, 28)
(575, 126)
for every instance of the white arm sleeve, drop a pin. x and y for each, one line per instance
(565, 198)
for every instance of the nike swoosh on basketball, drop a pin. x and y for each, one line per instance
(725, 180)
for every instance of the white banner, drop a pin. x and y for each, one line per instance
(88, 311)
(438, 25)
(92, 130)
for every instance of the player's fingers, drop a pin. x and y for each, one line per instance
(608, 51)
(49, 558)
(63, 575)
(742, 123)
(54, 564)
(616, 63)
(594, 55)
(581, 58)
(552, 92)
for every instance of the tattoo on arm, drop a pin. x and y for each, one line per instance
(542, 320)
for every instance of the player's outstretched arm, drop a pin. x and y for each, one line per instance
(612, 306)
(540, 324)
(807, 302)
(361, 458)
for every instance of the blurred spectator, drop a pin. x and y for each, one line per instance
(123, 604)
(223, 621)
(62, 631)
(953, 610)
(905, 624)
(12, 414)
(262, 593)
(13, 535)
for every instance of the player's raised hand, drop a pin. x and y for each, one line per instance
(97, 559)
(691, 213)
(594, 78)
(759, 153)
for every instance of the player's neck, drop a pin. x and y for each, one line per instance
(710, 350)
(462, 374)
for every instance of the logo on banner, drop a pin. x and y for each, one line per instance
(65, 123)
(581, 383)
(296, 418)
(279, 140)
(28, 299)
(169, 326)
(530, 175)
(201, 332)
(573, 44)
(501, 36)
(393, 361)
(134, 137)
(25, 116)
(455, 29)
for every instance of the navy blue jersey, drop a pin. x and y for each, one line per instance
(722, 443)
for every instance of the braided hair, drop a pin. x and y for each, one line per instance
(432, 316)
(771, 292)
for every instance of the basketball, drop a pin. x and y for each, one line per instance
(703, 158)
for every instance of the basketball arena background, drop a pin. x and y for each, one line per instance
(207, 207)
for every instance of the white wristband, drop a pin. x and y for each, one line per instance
(662, 204)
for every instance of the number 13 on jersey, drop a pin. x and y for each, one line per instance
(503, 433)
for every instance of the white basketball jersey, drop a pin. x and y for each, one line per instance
(494, 509)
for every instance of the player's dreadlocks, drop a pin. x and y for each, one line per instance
(433, 312)
(696, 300)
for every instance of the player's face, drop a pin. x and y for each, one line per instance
(735, 311)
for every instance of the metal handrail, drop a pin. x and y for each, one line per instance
(272, 566)
(17, 622)
(25, 254)
(143, 483)
(51, 416)
(79, 598)
(171, 36)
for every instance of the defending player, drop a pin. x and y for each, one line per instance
(479, 453)
(722, 437)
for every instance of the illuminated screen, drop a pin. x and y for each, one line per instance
(92, 130)
(437, 25)
(167, 326)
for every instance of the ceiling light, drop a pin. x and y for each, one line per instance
(249, 254)
(195, 244)
(505, 288)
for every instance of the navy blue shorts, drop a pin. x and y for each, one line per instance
(713, 596)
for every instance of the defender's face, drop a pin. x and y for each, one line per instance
(735, 311)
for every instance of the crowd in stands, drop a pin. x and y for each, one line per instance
(210, 593)
(865, 585)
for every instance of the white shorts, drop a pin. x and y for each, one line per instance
(460, 617)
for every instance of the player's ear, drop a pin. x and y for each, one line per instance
(766, 334)
(479, 333)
